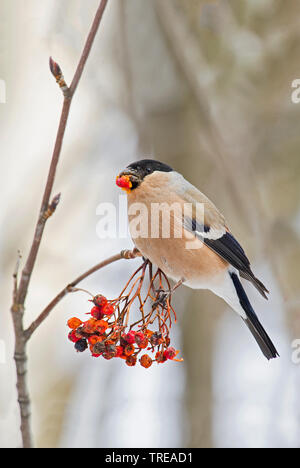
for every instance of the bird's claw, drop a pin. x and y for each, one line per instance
(162, 297)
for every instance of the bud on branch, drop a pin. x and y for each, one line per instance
(58, 75)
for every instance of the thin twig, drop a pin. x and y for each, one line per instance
(27, 271)
(15, 277)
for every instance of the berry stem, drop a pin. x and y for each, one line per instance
(70, 288)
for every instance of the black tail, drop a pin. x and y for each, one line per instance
(254, 325)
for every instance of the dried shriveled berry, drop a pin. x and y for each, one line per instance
(170, 353)
(144, 343)
(73, 337)
(101, 326)
(108, 355)
(119, 351)
(108, 309)
(129, 337)
(94, 339)
(123, 342)
(159, 356)
(74, 322)
(81, 345)
(156, 339)
(110, 349)
(80, 333)
(131, 360)
(139, 337)
(99, 347)
(128, 350)
(97, 313)
(100, 300)
(89, 326)
(146, 361)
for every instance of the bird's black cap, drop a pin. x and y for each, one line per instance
(145, 167)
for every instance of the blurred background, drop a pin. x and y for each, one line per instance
(205, 87)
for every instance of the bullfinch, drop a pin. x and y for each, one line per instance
(198, 251)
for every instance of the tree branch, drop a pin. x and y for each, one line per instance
(27, 271)
(46, 210)
(125, 254)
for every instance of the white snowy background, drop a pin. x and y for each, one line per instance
(79, 401)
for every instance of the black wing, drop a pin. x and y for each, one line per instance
(228, 248)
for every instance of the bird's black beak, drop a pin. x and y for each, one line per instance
(128, 179)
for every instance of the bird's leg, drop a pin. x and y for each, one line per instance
(164, 295)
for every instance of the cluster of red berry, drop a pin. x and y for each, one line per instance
(104, 334)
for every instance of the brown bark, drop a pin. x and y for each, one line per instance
(21, 289)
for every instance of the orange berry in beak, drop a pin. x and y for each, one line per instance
(124, 183)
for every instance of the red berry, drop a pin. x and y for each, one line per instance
(94, 339)
(129, 337)
(159, 356)
(74, 322)
(131, 360)
(170, 353)
(129, 349)
(72, 336)
(144, 343)
(139, 337)
(101, 326)
(119, 351)
(108, 309)
(100, 300)
(108, 355)
(124, 182)
(146, 361)
(89, 326)
(96, 313)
